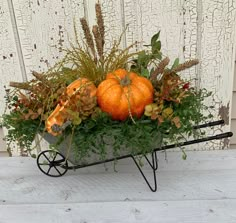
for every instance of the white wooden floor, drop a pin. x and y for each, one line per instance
(200, 189)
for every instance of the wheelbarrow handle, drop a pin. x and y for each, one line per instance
(224, 135)
(194, 141)
(209, 124)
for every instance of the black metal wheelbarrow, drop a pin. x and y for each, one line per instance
(55, 164)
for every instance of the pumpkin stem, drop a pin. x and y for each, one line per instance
(125, 81)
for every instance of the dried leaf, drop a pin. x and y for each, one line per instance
(40, 111)
(34, 116)
(167, 112)
(160, 119)
(154, 116)
(176, 121)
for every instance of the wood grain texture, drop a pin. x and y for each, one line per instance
(146, 17)
(217, 58)
(201, 189)
(45, 28)
(190, 37)
(233, 128)
(114, 21)
(3, 151)
(204, 176)
(9, 61)
(234, 84)
(11, 66)
(198, 211)
(233, 110)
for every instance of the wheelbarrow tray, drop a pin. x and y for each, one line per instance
(94, 159)
(93, 156)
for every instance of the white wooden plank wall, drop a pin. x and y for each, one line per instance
(9, 61)
(217, 50)
(189, 29)
(44, 28)
(10, 67)
(233, 112)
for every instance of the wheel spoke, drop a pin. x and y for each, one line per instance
(54, 157)
(44, 164)
(49, 170)
(59, 161)
(57, 170)
(46, 158)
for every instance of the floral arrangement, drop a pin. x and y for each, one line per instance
(129, 100)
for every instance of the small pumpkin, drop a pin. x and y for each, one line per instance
(124, 93)
(59, 116)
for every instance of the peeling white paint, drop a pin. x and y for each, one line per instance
(10, 68)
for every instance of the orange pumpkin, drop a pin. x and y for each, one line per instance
(58, 116)
(123, 93)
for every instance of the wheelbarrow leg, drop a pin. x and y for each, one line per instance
(154, 165)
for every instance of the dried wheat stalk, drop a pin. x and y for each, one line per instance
(98, 40)
(88, 35)
(160, 68)
(100, 22)
(185, 65)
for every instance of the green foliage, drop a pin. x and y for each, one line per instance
(22, 132)
(190, 113)
(155, 38)
(148, 58)
(175, 64)
(97, 135)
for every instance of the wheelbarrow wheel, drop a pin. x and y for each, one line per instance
(52, 163)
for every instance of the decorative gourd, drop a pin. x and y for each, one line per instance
(59, 116)
(123, 94)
